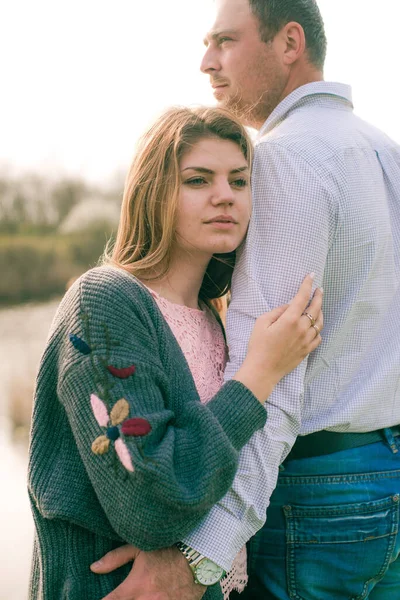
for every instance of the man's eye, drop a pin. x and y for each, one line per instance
(224, 39)
(241, 183)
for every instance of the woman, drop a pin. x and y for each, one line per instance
(129, 390)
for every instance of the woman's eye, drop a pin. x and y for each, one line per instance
(239, 183)
(196, 181)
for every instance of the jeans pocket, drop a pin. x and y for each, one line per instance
(338, 552)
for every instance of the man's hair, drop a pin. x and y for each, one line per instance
(275, 14)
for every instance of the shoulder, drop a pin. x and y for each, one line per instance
(108, 298)
(320, 137)
(105, 306)
(289, 161)
(107, 290)
(107, 281)
(302, 150)
(303, 145)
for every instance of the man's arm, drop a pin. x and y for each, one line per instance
(293, 224)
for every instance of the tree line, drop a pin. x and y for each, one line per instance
(38, 260)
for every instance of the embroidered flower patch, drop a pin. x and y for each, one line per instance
(79, 344)
(121, 373)
(136, 427)
(115, 424)
(114, 421)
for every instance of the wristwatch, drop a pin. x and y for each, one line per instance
(205, 571)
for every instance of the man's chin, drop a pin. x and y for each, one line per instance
(225, 100)
(231, 102)
(221, 94)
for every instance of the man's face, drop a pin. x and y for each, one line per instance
(246, 74)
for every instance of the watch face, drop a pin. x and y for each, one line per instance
(208, 573)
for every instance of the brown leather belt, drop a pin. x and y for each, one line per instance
(328, 442)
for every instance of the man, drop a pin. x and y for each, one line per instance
(326, 194)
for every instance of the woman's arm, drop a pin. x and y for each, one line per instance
(156, 457)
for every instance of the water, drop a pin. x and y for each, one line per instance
(15, 518)
(23, 333)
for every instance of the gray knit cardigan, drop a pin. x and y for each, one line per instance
(122, 450)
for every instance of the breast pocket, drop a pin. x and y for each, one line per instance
(339, 551)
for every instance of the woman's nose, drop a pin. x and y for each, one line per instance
(223, 193)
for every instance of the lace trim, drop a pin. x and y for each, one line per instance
(237, 577)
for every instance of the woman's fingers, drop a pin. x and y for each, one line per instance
(308, 313)
(314, 341)
(302, 298)
(315, 307)
(314, 332)
(273, 315)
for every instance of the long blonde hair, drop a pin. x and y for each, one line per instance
(146, 229)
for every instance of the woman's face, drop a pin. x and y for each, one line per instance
(214, 201)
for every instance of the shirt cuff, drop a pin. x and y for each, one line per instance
(219, 537)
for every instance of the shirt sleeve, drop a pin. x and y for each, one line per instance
(148, 456)
(292, 227)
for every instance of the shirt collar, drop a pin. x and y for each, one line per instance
(317, 88)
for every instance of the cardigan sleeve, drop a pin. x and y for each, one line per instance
(157, 458)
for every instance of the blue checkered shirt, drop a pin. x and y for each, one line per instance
(326, 198)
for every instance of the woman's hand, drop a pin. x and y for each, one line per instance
(281, 339)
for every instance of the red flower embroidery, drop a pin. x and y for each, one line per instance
(121, 373)
(136, 427)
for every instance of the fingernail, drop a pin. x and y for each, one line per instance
(96, 565)
(312, 275)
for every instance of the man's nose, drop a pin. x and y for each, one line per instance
(209, 62)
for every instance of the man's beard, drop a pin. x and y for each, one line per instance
(253, 114)
(270, 81)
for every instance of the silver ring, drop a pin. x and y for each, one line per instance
(310, 317)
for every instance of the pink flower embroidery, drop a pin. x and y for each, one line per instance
(114, 424)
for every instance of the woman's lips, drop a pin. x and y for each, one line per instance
(222, 224)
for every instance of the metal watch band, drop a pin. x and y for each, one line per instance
(189, 553)
(194, 558)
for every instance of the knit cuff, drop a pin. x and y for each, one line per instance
(238, 411)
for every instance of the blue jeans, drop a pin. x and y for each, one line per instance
(332, 529)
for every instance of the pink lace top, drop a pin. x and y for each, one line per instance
(203, 345)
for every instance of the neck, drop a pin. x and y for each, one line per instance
(182, 283)
(296, 79)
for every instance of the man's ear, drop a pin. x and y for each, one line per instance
(295, 42)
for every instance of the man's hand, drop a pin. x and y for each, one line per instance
(158, 575)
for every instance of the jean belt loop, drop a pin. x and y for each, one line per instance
(388, 433)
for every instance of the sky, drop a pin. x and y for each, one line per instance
(82, 79)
